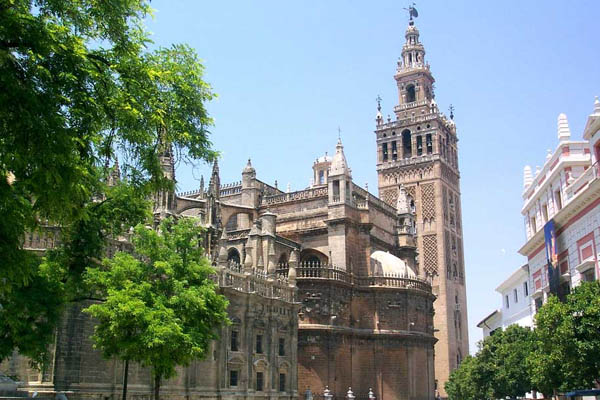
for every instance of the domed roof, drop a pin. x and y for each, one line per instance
(384, 263)
(339, 166)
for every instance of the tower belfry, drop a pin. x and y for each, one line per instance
(417, 152)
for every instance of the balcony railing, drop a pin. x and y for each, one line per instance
(233, 275)
(315, 271)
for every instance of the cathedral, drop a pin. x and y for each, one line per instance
(330, 287)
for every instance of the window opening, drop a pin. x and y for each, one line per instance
(282, 382)
(233, 378)
(410, 94)
(406, 144)
(429, 143)
(259, 344)
(234, 341)
(259, 381)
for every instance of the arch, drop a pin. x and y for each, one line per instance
(233, 255)
(411, 94)
(312, 257)
(227, 211)
(406, 144)
(283, 261)
(261, 364)
(232, 223)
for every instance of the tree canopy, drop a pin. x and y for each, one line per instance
(497, 370)
(567, 343)
(79, 85)
(160, 307)
(560, 354)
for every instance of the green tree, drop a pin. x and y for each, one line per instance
(498, 369)
(553, 348)
(161, 308)
(583, 306)
(504, 353)
(567, 343)
(468, 381)
(78, 85)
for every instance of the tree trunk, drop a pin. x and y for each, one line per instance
(125, 373)
(156, 387)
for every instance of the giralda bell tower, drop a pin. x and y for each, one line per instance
(418, 150)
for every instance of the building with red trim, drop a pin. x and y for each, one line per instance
(566, 193)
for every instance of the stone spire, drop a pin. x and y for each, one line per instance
(249, 169)
(527, 177)
(339, 166)
(165, 154)
(588, 131)
(564, 133)
(214, 185)
(114, 175)
(379, 116)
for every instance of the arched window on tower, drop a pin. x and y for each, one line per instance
(411, 94)
(429, 143)
(406, 144)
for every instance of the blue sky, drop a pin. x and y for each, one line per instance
(288, 73)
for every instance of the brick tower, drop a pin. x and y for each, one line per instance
(418, 150)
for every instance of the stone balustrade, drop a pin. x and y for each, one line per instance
(192, 193)
(47, 237)
(373, 200)
(230, 189)
(315, 271)
(292, 196)
(233, 275)
(402, 107)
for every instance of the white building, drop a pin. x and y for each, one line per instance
(491, 323)
(566, 191)
(516, 304)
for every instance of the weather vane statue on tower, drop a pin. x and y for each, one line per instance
(412, 12)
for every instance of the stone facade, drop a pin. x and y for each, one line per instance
(323, 288)
(419, 150)
(366, 316)
(259, 306)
